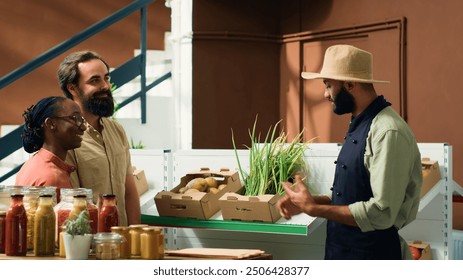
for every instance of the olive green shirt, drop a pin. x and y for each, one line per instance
(393, 161)
(103, 162)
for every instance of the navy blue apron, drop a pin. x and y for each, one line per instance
(352, 184)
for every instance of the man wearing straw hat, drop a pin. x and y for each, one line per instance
(378, 171)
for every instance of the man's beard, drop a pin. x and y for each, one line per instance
(97, 105)
(343, 102)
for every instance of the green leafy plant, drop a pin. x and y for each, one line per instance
(271, 162)
(136, 146)
(80, 225)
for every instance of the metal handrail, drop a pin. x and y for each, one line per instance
(72, 42)
(12, 141)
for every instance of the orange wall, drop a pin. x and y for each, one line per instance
(29, 28)
(235, 70)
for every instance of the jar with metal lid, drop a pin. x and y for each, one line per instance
(135, 232)
(152, 243)
(107, 245)
(16, 227)
(31, 201)
(2, 231)
(125, 248)
(44, 227)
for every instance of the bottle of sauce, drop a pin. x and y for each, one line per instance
(92, 210)
(44, 227)
(30, 201)
(79, 205)
(2, 231)
(64, 206)
(62, 210)
(16, 227)
(108, 214)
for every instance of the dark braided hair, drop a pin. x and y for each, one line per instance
(34, 117)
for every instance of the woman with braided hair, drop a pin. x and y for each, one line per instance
(52, 127)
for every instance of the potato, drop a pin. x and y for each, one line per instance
(182, 190)
(211, 182)
(213, 190)
(222, 186)
(197, 183)
(191, 191)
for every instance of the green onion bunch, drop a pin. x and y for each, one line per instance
(271, 162)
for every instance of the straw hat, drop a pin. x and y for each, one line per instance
(345, 63)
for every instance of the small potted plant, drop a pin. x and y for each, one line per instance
(77, 237)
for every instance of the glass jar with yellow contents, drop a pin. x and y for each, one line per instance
(125, 247)
(44, 227)
(30, 201)
(135, 232)
(107, 245)
(152, 243)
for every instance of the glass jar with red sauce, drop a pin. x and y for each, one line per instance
(2, 231)
(64, 207)
(92, 209)
(16, 227)
(108, 214)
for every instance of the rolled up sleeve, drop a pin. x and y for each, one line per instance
(388, 159)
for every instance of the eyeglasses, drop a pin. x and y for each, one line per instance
(76, 119)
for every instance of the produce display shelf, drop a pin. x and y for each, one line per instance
(278, 228)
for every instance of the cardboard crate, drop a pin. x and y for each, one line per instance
(425, 249)
(457, 212)
(431, 175)
(200, 205)
(140, 181)
(262, 208)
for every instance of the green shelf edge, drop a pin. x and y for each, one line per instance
(225, 225)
